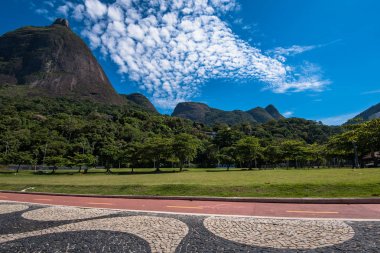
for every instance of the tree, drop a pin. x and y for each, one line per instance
(227, 137)
(81, 160)
(249, 150)
(315, 154)
(56, 161)
(110, 152)
(342, 145)
(19, 158)
(185, 148)
(272, 154)
(207, 154)
(133, 154)
(157, 149)
(227, 156)
(368, 138)
(293, 150)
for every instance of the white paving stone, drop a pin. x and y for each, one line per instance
(58, 213)
(280, 233)
(11, 208)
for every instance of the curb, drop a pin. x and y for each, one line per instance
(223, 199)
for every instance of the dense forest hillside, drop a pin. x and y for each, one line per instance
(54, 130)
(202, 113)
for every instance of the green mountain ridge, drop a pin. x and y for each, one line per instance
(371, 113)
(202, 113)
(141, 101)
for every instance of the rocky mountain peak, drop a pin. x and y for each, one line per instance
(53, 61)
(62, 21)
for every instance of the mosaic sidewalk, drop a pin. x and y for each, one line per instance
(41, 228)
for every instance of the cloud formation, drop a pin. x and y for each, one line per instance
(172, 47)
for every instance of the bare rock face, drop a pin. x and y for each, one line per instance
(53, 61)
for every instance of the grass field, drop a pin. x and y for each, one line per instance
(202, 182)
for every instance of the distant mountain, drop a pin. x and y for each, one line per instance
(260, 115)
(202, 113)
(141, 101)
(369, 114)
(53, 61)
(274, 112)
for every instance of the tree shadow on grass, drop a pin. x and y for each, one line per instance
(7, 172)
(225, 170)
(145, 172)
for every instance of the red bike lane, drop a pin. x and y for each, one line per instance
(290, 210)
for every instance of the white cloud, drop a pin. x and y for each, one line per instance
(49, 3)
(293, 50)
(247, 27)
(64, 9)
(95, 9)
(115, 13)
(78, 12)
(42, 11)
(288, 114)
(339, 119)
(370, 92)
(171, 48)
(281, 53)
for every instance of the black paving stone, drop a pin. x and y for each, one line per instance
(78, 242)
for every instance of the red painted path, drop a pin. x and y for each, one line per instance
(344, 211)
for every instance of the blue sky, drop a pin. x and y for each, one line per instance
(316, 59)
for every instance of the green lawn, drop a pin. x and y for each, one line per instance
(202, 182)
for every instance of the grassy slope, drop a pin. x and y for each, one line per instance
(269, 183)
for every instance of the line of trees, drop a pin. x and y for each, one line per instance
(247, 152)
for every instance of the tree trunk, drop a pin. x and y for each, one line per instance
(228, 167)
(18, 168)
(374, 158)
(180, 166)
(157, 166)
(80, 168)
